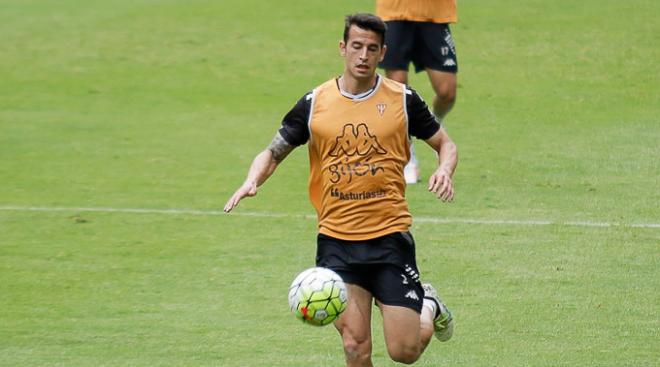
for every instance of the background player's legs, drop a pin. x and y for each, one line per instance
(444, 86)
(407, 333)
(354, 325)
(411, 170)
(400, 76)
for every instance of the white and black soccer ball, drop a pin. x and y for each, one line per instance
(317, 296)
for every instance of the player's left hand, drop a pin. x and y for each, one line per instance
(441, 185)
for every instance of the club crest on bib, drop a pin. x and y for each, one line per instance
(381, 108)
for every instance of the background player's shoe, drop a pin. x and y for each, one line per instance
(443, 323)
(411, 173)
(411, 170)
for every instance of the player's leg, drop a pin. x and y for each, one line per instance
(444, 86)
(408, 316)
(443, 322)
(400, 76)
(411, 170)
(407, 332)
(426, 325)
(354, 326)
(437, 56)
(399, 40)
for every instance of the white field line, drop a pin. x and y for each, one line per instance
(417, 219)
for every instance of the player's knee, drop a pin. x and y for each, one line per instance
(357, 351)
(446, 96)
(406, 354)
(357, 347)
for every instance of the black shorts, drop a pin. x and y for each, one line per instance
(426, 44)
(384, 266)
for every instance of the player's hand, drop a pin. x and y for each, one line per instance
(247, 189)
(441, 185)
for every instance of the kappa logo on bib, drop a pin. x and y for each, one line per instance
(356, 140)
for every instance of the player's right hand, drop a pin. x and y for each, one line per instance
(247, 189)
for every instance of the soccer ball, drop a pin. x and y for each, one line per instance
(317, 296)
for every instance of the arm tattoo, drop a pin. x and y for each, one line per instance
(280, 148)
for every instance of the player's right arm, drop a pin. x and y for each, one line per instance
(263, 166)
(294, 132)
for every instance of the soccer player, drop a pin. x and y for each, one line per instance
(418, 31)
(357, 129)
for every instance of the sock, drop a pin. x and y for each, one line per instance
(433, 306)
(440, 120)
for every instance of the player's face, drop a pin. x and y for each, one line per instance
(362, 52)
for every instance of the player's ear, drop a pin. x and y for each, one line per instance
(383, 50)
(342, 48)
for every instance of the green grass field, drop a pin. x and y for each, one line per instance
(148, 114)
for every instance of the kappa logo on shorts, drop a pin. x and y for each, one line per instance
(412, 295)
(449, 62)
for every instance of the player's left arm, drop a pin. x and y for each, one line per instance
(423, 125)
(440, 182)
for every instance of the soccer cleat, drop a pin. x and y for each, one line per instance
(443, 323)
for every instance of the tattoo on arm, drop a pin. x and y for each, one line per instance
(280, 148)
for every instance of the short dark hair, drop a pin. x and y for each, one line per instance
(366, 21)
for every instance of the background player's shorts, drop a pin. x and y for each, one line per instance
(384, 266)
(426, 44)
